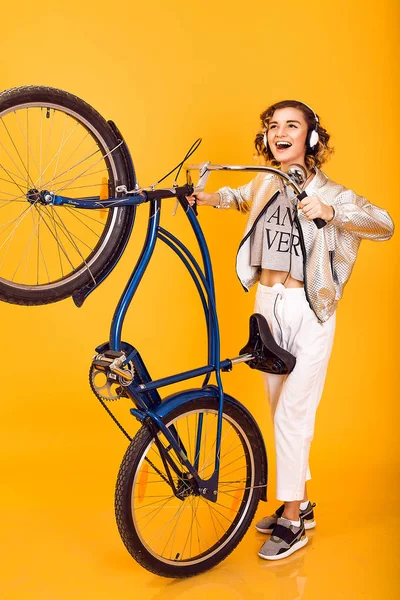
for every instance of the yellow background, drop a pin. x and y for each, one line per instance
(167, 73)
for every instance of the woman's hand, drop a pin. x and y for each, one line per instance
(204, 199)
(313, 208)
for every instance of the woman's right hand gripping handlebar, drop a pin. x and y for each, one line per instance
(204, 199)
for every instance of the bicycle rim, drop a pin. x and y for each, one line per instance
(191, 530)
(45, 146)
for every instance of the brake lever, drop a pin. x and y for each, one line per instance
(201, 184)
(204, 175)
(199, 187)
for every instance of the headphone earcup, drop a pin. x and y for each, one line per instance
(314, 138)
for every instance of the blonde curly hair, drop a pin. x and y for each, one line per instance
(315, 157)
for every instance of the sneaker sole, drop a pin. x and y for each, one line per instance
(310, 525)
(300, 544)
(263, 530)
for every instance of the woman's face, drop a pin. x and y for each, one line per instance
(288, 125)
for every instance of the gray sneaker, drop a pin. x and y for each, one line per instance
(266, 525)
(285, 539)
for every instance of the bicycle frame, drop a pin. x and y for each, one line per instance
(145, 395)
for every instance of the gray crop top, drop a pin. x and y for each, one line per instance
(270, 241)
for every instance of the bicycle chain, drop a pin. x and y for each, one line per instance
(100, 398)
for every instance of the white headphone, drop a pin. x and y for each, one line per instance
(312, 137)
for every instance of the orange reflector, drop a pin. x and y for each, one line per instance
(142, 483)
(236, 501)
(103, 195)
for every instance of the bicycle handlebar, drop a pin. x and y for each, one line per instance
(206, 168)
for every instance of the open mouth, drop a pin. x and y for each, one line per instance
(283, 145)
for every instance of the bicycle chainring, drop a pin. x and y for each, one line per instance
(107, 385)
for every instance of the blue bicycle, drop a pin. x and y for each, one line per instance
(191, 479)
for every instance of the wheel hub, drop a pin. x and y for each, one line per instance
(43, 197)
(186, 486)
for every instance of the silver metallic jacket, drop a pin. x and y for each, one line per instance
(328, 253)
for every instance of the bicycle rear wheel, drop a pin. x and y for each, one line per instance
(181, 537)
(52, 141)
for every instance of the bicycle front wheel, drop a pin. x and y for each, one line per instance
(186, 535)
(52, 141)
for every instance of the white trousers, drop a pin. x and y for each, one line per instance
(294, 398)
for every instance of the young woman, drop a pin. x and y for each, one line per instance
(301, 271)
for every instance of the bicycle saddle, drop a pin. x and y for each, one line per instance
(268, 356)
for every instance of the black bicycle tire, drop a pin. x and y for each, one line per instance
(36, 295)
(125, 479)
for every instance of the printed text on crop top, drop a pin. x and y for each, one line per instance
(270, 240)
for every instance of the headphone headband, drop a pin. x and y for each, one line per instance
(314, 113)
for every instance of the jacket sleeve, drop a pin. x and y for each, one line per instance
(239, 198)
(361, 218)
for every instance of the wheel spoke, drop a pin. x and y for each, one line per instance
(40, 146)
(58, 244)
(41, 249)
(58, 153)
(29, 180)
(58, 241)
(12, 180)
(89, 168)
(85, 137)
(49, 137)
(20, 218)
(204, 466)
(214, 515)
(83, 177)
(214, 504)
(234, 471)
(189, 535)
(217, 535)
(23, 177)
(154, 512)
(11, 174)
(158, 534)
(83, 214)
(28, 247)
(56, 156)
(10, 237)
(7, 202)
(46, 184)
(71, 238)
(82, 221)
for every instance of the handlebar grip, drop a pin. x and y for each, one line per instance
(320, 223)
(178, 192)
(161, 193)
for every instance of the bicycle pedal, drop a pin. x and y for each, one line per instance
(101, 364)
(111, 364)
(107, 358)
